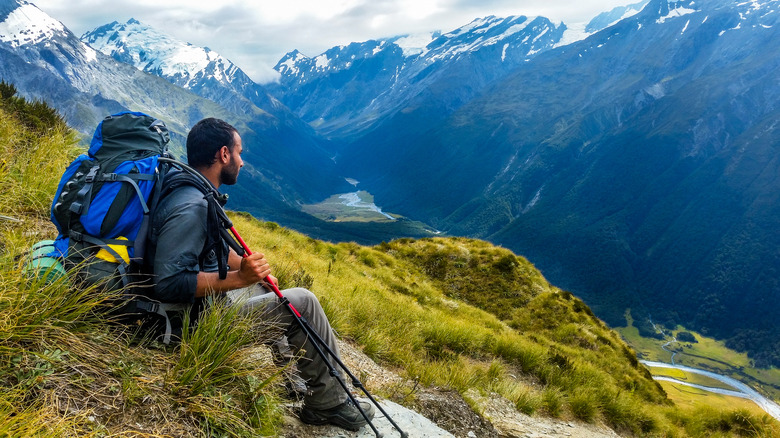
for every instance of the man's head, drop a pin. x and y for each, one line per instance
(214, 142)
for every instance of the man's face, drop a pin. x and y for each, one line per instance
(229, 174)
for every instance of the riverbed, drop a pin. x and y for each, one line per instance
(740, 389)
(355, 201)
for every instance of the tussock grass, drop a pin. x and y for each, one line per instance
(453, 313)
(34, 153)
(67, 369)
(64, 365)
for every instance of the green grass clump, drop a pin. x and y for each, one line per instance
(36, 147)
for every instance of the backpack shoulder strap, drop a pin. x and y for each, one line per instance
(215, 219)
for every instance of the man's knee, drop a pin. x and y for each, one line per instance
(302, 299)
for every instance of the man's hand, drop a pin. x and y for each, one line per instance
(254, 268)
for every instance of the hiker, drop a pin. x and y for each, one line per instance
(186, 255)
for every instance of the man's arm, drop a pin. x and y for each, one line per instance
(180, 241)
(251, 270)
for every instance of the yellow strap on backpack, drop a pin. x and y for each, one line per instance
(119, 249)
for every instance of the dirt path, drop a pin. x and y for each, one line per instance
(439, 413)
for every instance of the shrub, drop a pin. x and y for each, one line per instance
(683, 336)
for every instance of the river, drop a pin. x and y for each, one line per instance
(353, 200)
(740, 389)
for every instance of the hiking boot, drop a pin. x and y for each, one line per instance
(345, 415)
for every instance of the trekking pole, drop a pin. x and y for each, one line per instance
(319, 345)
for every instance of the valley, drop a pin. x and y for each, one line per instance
(693, 373)
(355, 206)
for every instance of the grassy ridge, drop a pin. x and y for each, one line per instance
(450, 312)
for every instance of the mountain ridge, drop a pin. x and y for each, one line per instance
(381, 77)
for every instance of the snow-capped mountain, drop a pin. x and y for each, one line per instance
(182, 63)
(419, 51)
(198, 69)
(46, 61)
(349, 88)
(26, 24)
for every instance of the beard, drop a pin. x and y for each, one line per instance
(229, 175)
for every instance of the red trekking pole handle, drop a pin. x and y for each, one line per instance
(247, 253)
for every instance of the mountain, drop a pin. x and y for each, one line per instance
(289, 146)
(286, 164)
(47, 62)
(637, 168)
(349, 89)
(198, 69)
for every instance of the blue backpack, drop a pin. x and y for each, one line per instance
(102, 204)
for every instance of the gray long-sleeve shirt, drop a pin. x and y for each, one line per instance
(177, 238)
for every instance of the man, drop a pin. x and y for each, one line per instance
(186, 257)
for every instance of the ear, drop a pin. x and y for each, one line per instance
(223, 155)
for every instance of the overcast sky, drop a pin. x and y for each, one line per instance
(255, 34)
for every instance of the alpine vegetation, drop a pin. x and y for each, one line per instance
(449, 314)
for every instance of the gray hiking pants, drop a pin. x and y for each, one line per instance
(323, 390)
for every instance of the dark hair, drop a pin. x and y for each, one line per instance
(206, 138)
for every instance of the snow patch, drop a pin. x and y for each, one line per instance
(414, 44)
(322, 62)
(28, 25)
(470, 27)
(656, 90)
(573, 33)
(685, 27)
(674, 13)
(289, 67)
(90, 54)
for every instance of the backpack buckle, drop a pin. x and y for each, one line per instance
(92, 174)
(147, 306)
